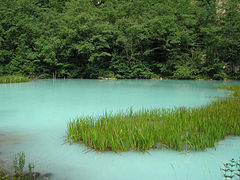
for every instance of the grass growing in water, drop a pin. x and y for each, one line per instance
(13, 79)
(178, 129)
(18, 165)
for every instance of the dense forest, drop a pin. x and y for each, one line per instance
(183, 39)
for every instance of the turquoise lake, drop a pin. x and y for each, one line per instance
(34, 117)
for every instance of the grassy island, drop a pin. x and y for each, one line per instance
(178, 129)
(13, 79)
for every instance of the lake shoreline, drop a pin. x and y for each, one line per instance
(29, 79)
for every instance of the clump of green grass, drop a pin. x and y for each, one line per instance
(18, 165)
(178, 129)
(13, 79)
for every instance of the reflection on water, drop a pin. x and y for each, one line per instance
(33, 119)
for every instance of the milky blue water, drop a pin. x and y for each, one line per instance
(34, 116)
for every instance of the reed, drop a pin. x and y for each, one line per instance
(178, 128)
(13, 79)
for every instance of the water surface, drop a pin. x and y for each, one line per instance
(34, 115)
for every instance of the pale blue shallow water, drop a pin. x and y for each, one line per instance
(34, 116)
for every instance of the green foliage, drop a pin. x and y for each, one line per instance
(178, 129)
(185, 71)
(13, 79)
(130, 39)
(231, 170)
(3, 173)
(19, 163)
(31, 166)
